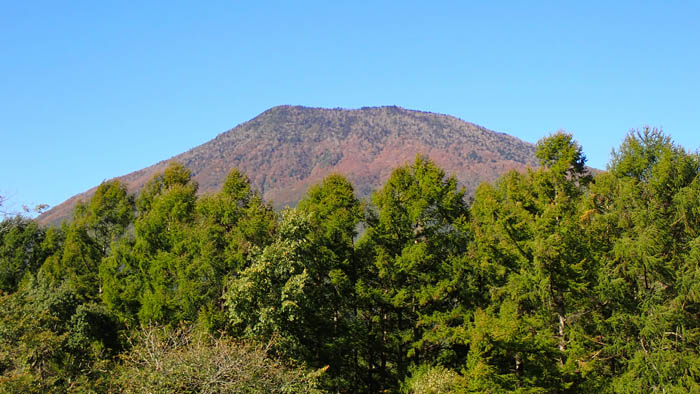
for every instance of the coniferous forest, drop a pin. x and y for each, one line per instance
(555, 280)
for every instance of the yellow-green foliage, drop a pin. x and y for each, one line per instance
(183, 361)
(434, 380)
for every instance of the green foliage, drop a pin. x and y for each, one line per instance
(300, 288)
(122, 276)
(415, 242)
(277, 293)
(639, 152)
(645, 238)
(161, 249)
(336, 213)
(551, 281)
(560, 153)
(88, 239)
(334, 216)
(21, 251)
(50, 342)
(108, 214)
(229, 226)
(183, 249)
(529, 243)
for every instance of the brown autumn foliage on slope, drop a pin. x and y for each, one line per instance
(288, 148)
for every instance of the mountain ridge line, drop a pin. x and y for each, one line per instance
(287, 148)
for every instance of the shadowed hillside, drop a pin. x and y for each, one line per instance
(287, 148)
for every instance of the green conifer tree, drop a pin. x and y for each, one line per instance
(416, 240)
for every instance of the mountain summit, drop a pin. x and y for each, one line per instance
(288, 148)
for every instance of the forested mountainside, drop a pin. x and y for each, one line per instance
(288, 148)
(551, 280)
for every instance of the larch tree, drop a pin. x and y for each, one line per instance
(145, 273)
(644, 219)
(528, 242)
(229, 226)
(415, 240)
(88, 238)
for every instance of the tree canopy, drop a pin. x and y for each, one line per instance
(555, 279)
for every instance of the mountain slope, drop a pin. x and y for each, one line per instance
(287, 148)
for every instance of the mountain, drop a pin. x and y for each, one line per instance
(287, 148)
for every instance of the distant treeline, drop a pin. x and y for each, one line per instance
(552, 280)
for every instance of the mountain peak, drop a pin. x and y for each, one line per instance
(288, 148)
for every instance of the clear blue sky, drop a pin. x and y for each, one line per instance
(95, 89)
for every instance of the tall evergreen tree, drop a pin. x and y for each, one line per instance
(528, 240)
(88, 238)
(229, 226)
(645, 232)
(145, 273)
(416, 240)
(335, 214)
